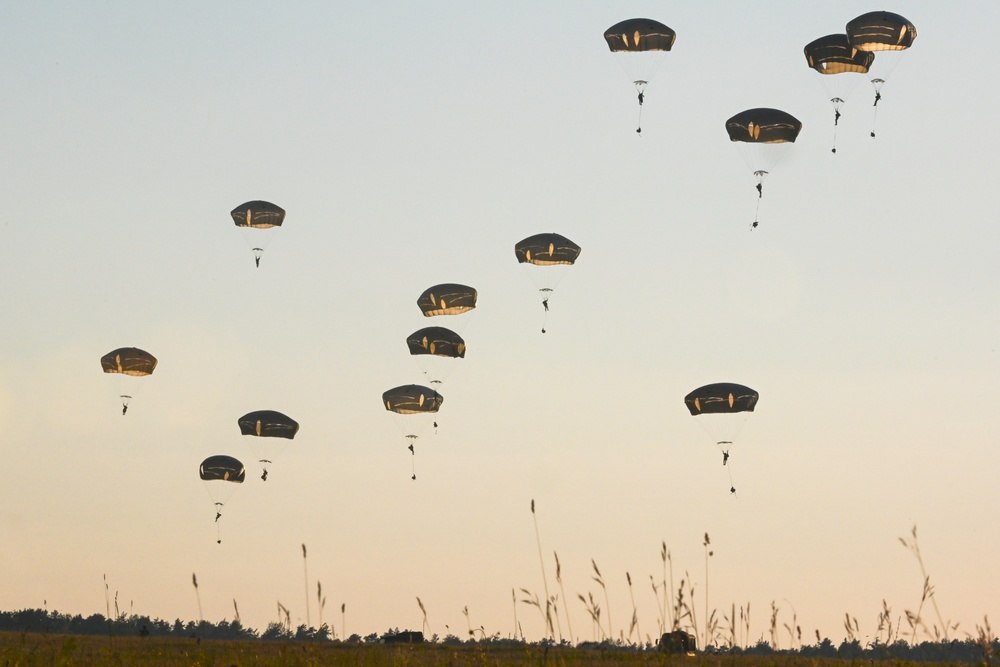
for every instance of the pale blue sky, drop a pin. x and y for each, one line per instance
(413, 144)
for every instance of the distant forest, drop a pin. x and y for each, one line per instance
(984, 649)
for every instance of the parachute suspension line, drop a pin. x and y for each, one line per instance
(263, 464)
(256, 256)
(125, 399)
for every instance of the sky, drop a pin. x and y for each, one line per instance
(413, 144)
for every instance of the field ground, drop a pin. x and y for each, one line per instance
(22, 649)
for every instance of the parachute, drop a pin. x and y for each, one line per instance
(834, 55)
(551, 251)
(434, 348)
(128, 362)
(639, 44)
(417, 404)
(885, 33)
(447, 299)
(881, 31)
(763, 135)
(267, 424)
(257, 215)
(221, 474)
(727, 405)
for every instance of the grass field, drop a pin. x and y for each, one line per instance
(28, 649)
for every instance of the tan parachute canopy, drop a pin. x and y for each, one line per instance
(447, 299)
(129, 361)
(546, 250)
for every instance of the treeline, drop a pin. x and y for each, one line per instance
(984, 649)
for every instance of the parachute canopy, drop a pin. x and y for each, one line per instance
(639, 35)
(881, 31)
(129, 361)
(722, 397)
(438, 341)
(447, 299)
(834, 54)
(763, 126)
(258, 214)
(268, 424)
(222, 467)
(546, 250)
(412, 399)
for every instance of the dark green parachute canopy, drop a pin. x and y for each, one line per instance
(721, 397)
(834, 54)
(447, 299)
(437, 341)
(763, 126)
(129, 361)
(268, 424)
(881, 31)
(546, 250)
(222, 467)
(639, 35)
(411, 399)
(258, 214)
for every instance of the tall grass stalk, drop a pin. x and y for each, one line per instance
(284, 617)
(532, 599)
(659, 617)
(774, 626)
(513, 597)
(562, 591)
(236, 610)
(683, 610)
(107, 598)
(305, 571)
(107, 608)
(850, 629)
(343, 620)
(708, 554)
(794, 629)
(554, 602)
(635, 613)
(928, 593)
(545, 581)
(986, 639)
(600, 582)
(665, 557)
(595, 614)
(745, 618)
(194, 580)
(426, 626)
(321, 604)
